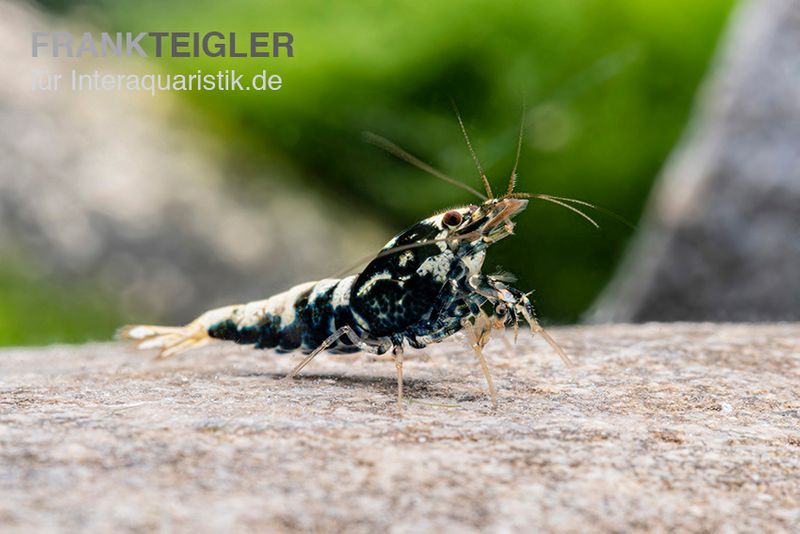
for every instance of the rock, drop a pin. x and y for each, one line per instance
(721, 236)
(691, 427)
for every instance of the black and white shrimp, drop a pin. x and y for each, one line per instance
(423, 287)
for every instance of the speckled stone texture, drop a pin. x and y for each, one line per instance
(685, 426)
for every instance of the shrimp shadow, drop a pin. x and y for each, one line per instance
(383, 384)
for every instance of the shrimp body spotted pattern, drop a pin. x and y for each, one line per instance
(424, 286)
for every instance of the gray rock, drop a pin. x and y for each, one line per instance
(721, 236)
(680, 427)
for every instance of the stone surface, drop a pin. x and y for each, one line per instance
(683, 426)
(721, 236)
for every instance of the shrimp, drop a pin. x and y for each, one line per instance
(424, 286)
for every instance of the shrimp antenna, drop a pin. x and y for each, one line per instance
(472, 152)
(601, 209)
(418, 244)
(398, 152)
(512, 182)
(561, 202)
(400, 248)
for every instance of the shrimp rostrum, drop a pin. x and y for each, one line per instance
(423, 287)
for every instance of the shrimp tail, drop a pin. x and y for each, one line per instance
(169, 340)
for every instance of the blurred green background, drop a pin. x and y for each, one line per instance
(608, 84)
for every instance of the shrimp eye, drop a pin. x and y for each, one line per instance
(452, 218)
